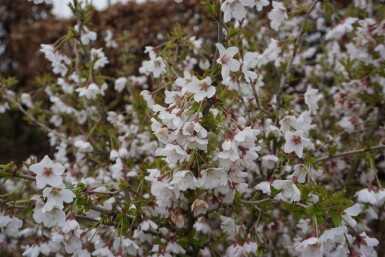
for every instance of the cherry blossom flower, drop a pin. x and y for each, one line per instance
(58, 61)
(199, 207)
(4, 220)
(174, 247)
(300, 173)
(83, 146)
(173, 153)
(295, 142)
(311, 99)
(148, 224)
(91, 91)
(34, 250)
(229, 226)
(349, 213)
(212, 178)
(47, 173)
(26, 100)
(201, 226)
(259, 4)
(277, 15)
(184, 180)
(103, 252)
(249, 62)
(201, 88)
(341, 29)
(56, 196)
(264, 186)
(128, 246)
(269, 161)
(365, 244)
(235, 9)
(98, 58)
(226, 59)
(86, 36)
(289, 192)
(155, 65)
(120, 83)
(370, 196)
(310, 247)
(50, 218)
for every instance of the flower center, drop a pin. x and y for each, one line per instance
(204, 86)
(296, 140)
(55, 191)
(225, 59)
(47, 171)
(157, 64)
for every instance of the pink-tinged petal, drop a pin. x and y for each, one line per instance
(234, 65)
(199, 96)
(47, 162)
(67, 195)
(279, 184)
(38, 216)
(47, 191)
(36, 168)
(221, 48)
(353, 210)
(225, 72)
(210, 92)
(58, 169)
(306, 142)
(54, 180)
(61, 218)
(299, 151)
(288, 135)
(297, 194)
(289, 147)
(226, 14)
(232, 50)
(41, 181)
(239, 12)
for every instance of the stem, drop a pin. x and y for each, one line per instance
(297, 45)
(374, 148)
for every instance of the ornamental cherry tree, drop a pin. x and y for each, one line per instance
(268, 141)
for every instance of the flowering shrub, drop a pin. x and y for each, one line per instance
(267, 142)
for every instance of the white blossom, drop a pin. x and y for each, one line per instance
(277, 15)
(226, 59)
(47, 173)
(295, 142)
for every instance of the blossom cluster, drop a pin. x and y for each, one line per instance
(266, 142)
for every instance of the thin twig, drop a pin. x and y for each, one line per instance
(338, 155)
(33, 119)
(257, 202)
(23, 176)
(297, 46)
(101, 209)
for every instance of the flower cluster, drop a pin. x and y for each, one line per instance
(265, 142)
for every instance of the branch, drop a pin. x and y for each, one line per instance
(19, 175)
(297, 45)
(101, 209)
(337, 155)
(258, 202)
(33, 119)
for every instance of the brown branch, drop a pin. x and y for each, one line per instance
(338, 155)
